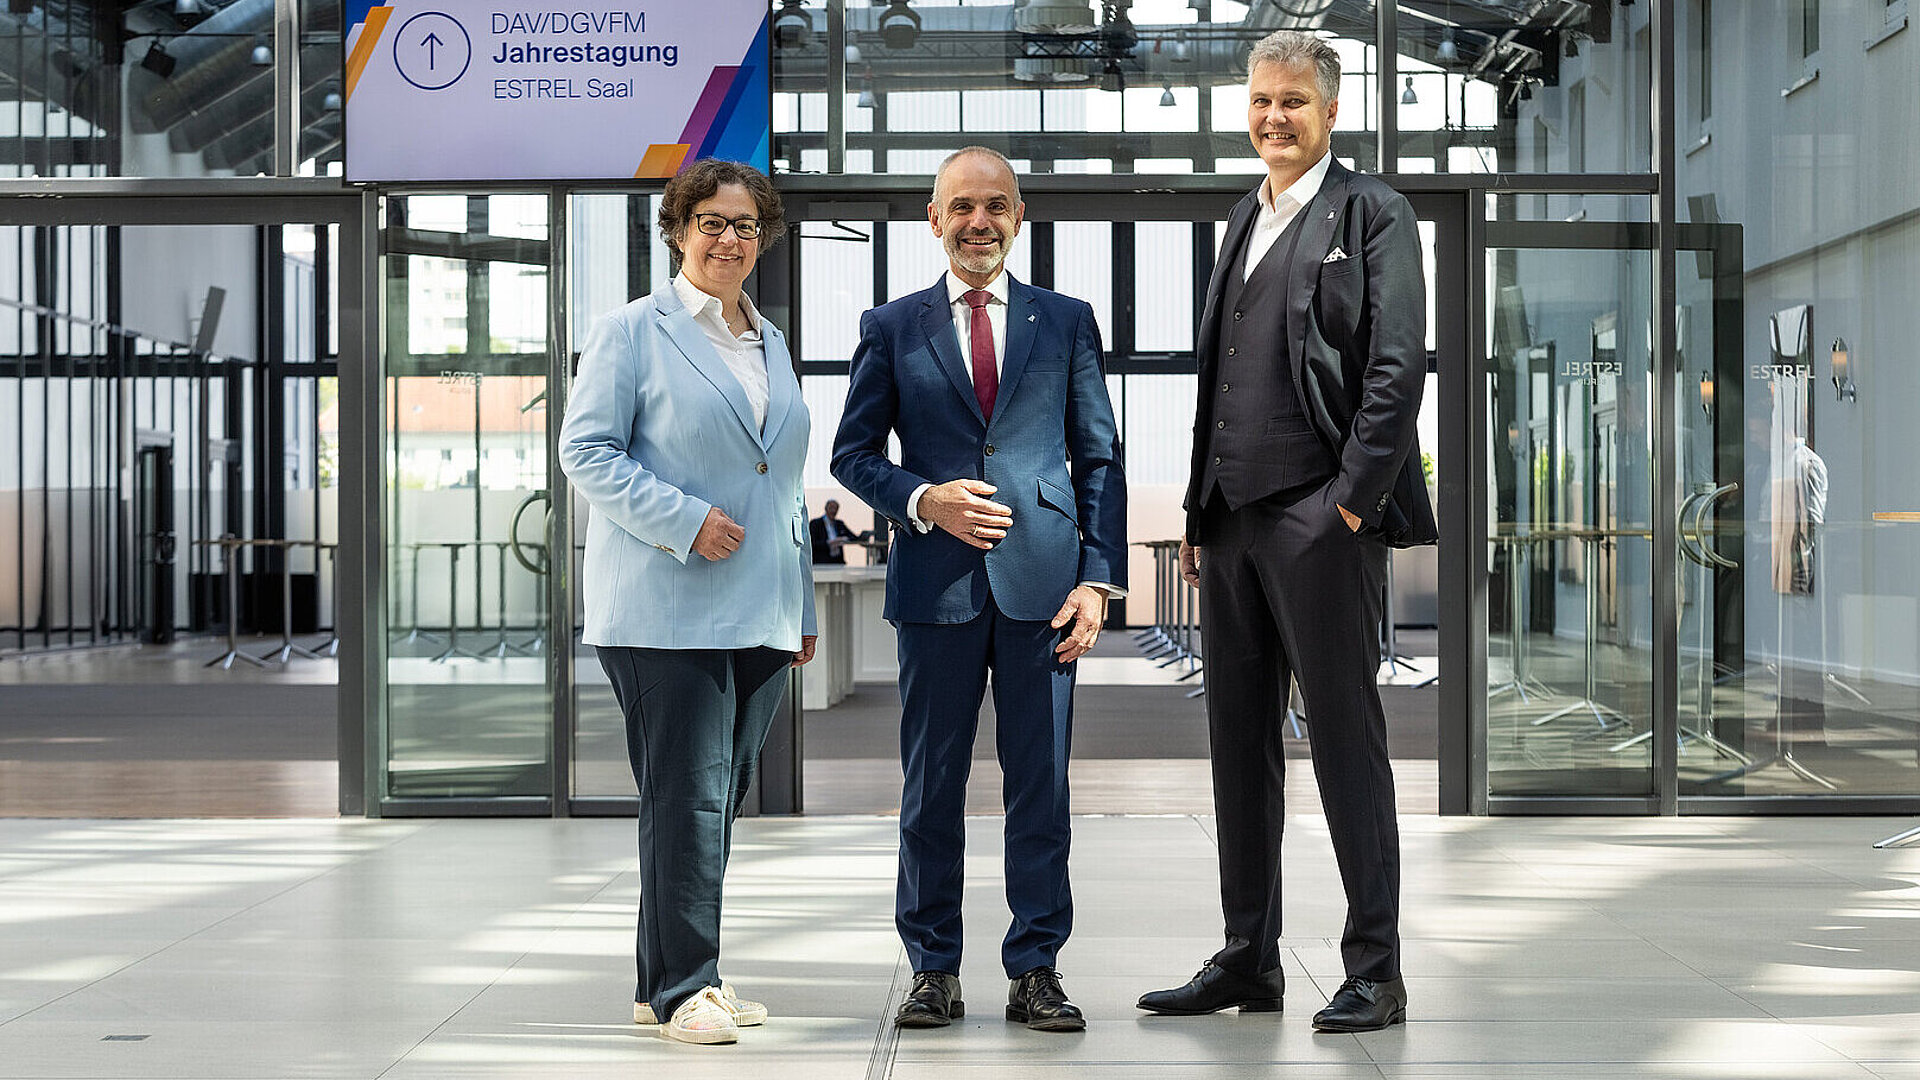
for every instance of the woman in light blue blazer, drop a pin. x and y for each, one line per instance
(686, 433)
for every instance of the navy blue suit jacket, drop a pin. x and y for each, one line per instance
(1052, 450)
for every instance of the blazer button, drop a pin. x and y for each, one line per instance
(1226, 388)
(1237, 315)
(1216, 459)
(1231, 350)
(989, 449)
(761, 468)
(1222, 425)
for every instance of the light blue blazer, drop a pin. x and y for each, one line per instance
(657, 431)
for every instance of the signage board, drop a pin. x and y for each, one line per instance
(448, 90)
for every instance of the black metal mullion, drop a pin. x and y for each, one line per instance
(1123, 288)
(1664, 442)
(1463, 514)
(639, 247)
(115, 348)
(42, 288)
(269, 409)
(65, 360)
(1387, 49)
(20, 448)
(879, 263)
(1041, 254)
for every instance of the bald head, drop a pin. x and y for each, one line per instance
(976, 212)
(967, 152)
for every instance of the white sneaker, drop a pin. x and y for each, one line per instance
(704, 1019)
(745, 1013)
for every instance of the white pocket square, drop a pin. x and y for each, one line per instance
(1333, 256)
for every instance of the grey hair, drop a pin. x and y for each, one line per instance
(969, 150)
(1296, 48)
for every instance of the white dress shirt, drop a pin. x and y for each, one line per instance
(963, 326)
(745, 356)
(1277, 213)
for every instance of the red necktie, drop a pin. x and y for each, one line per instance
(986, 376)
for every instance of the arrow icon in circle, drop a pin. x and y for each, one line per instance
(432, 51)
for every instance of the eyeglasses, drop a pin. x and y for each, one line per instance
(745, 228)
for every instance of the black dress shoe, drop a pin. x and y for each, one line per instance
(1364, 1005)
(1037, 1000)
(1214, 988)
(934, 1001)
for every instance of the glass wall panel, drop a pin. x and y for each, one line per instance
(1799, 545)
(1532, 88)
(839, 258)
(322, 101)
(1075, 87)
(616, 255)
(469, 710)
(160, 89)
(1570, 621)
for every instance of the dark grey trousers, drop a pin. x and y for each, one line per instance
(696, 719)
(1288, 591)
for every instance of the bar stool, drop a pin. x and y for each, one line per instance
(287, 649)
(230, 546)
(453, 649)
(331, 646)
(414, 633)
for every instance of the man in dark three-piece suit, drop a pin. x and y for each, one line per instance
(1009, 509)
(1312, 358)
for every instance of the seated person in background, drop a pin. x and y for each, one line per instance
(831, 535)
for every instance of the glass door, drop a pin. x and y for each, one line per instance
(469, 694)
(1569, 379)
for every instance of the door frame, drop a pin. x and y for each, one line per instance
(269, 202)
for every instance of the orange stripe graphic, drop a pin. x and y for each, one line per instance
(363, 45)
(662, 160)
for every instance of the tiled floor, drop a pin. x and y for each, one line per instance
(1537, 949)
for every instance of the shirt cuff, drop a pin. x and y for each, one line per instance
(913, 510)
(1114, 592)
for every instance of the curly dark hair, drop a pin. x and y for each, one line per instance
(699, 183)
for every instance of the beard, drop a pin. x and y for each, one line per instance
(976, 260)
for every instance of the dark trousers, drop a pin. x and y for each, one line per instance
(943, 676)
(696, 719)
(1288, 591)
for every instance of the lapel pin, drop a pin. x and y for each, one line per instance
(1033, 318)
(1329, 215)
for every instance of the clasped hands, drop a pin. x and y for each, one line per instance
(961, 509)
(719, 537)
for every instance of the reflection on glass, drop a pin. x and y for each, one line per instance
(1782, 673)
(1800, 545)
(1525, 88)
(1146, 86)
(1569, 613)
(323, 97)
(468, 707)
(163, 89)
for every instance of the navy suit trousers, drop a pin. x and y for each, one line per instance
(943, 677)
(696, 720)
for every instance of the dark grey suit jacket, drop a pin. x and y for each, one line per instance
(1357, 316)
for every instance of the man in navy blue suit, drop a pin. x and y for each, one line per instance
(1009, 506)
